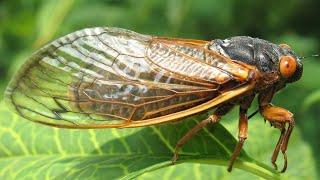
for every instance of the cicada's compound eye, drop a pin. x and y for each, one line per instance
(288, 66)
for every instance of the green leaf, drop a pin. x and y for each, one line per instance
(30, 150)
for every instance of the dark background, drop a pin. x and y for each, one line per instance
(26, 25)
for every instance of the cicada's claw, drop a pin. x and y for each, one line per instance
(275, 166)
(175, 158)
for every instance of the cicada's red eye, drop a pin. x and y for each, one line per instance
(288, 66)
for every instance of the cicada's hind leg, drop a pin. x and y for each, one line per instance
(277, 115)
(243, 129)
(210, 120)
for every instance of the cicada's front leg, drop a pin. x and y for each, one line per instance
(278, 117)
(281, 127)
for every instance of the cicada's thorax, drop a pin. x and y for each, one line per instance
(256, 52)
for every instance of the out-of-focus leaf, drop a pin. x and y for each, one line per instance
(50, 17)
(310, 100)
(304, 46)
(176, 13)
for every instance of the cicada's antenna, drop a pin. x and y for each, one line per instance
(314, 55)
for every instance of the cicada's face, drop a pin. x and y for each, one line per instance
(290, 66)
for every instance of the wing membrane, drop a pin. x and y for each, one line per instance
(110, 77)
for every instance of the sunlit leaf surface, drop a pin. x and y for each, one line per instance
(32, 150)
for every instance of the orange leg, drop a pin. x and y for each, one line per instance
(211, 119)
(243, 133)
(281, 127)
(284, 145)
(282, 116)
(243, 129)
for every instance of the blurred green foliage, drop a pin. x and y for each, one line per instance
(25, 25)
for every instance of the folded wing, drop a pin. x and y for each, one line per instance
(111, 77)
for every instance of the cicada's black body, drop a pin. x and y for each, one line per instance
(257, 52)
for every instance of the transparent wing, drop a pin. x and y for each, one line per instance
(111, 77)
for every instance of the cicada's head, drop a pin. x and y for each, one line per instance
(290, 66)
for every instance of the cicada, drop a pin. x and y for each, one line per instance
(116, 78)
